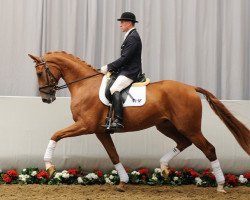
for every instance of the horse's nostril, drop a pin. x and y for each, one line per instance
(45, 100)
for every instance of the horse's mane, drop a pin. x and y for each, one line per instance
(72, 57)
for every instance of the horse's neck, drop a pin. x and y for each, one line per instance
(73, 71)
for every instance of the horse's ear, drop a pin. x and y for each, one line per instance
(35, 58)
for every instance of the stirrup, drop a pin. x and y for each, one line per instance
(116, 125)
(108, 120)
(107, 124)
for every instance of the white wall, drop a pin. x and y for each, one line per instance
(26, 125)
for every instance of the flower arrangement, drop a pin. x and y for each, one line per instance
(185, 176)
(11, 176)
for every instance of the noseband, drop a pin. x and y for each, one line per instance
(52, 82)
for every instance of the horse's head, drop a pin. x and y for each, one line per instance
(48, 76)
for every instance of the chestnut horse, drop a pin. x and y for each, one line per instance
(173, 107)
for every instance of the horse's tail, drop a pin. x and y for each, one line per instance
(239, 130)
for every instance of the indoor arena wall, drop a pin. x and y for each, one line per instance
(26, 125)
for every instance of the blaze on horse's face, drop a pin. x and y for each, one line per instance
(46, 80)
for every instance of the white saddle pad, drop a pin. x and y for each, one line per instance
(138, 94)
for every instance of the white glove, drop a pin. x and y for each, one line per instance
(104, 69)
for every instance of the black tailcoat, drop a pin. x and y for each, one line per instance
(129, 64)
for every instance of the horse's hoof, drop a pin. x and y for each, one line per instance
(164, 171)
(51, 171)
(220, 188)
(120, 187)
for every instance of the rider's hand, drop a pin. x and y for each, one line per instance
(104, 69)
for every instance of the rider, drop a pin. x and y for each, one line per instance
(128, 66)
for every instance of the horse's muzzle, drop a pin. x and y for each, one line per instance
(48, 100)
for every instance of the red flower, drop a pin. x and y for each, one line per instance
(144, 171)
(128, 170)
(99, 173)
(207, 173)
(7, 178)
(207, 170)
(178, 173)
(171, 172)
(194, 173)
(12, 173)
(247, 176)
(73, 171)
(231, 179)
(188, 169)
(42, 174)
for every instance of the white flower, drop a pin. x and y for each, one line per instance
(91, 176)
(33, 173)
(111, 177)
(65, 175)
(88, 176)
(24, 170)
(23, 177)
(79, 180)
(94, 176)
(198, 181)
(1, 171)
(154, 177)
(135, 173)
(58, 175)
(175, 178)
(114, 172)
(157, 170)
(242, 179)
(108, 181)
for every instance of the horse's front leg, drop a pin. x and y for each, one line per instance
(75, 129)
(108, 144)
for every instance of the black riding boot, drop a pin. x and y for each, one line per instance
(118, 111)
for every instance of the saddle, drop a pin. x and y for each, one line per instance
(111, 77)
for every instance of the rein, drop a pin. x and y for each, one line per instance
(81, 79)
(50, 76)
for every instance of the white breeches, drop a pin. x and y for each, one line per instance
(120, 83)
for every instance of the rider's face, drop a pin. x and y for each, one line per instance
(125, 25)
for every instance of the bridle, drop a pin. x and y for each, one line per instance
(50, 79)
(52, 82)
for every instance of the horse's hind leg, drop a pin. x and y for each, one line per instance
(169, 130)
(208, 149)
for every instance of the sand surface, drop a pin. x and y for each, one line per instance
(59, 192)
